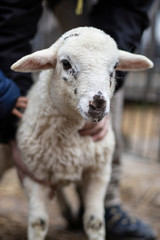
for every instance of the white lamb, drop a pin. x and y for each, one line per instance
(76, 84)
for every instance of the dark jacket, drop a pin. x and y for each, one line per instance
(125, 21)
(18, 24)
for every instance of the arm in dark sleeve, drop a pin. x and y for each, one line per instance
(9, 92)
(124, 20)
(18, 24)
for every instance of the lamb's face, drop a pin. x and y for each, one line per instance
(85, 71)
(82, 69)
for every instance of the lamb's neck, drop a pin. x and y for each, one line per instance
(70, 123)
(50, 114)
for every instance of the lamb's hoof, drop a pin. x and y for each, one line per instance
(39, 224)
(94, 223)
(37, 229)
(94, 227)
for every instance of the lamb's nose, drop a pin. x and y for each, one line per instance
(98, 105)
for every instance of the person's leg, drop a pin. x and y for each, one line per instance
(119, 223)
(113, 192)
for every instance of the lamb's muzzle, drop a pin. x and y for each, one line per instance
(97, 107)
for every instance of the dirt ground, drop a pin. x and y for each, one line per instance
(140, 190)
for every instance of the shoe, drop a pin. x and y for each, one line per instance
(120, 226)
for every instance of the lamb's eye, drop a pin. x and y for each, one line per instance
(66, 64)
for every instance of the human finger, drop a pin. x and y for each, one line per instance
(94, 128)
(17, 113)
(101, 134)
(21, 105)
(90, 131)
(21, 102)
(87, 126)
(23, 99)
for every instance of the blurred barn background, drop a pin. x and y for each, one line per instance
(141, 118)
(140, 186)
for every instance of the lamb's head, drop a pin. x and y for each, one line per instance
(82, 67)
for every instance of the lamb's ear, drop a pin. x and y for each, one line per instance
(133, 62)
(36, 61)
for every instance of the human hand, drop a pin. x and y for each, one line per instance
(21, 103)
(96, 130)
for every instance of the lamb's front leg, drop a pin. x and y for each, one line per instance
(94, 190)
(38, 196)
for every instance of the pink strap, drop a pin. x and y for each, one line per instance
(24, 171)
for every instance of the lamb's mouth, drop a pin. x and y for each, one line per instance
(95, 118)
